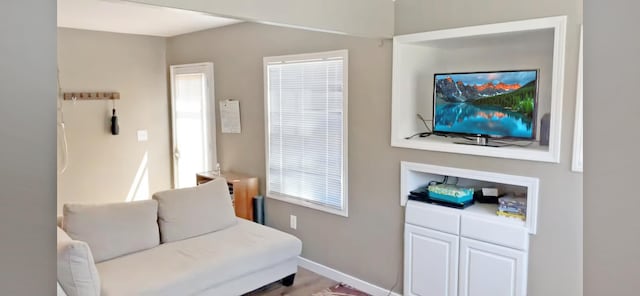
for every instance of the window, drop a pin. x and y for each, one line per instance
(306, 129)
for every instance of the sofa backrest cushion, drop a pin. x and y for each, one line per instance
(113, 229)
(189, 212)
(77, 273)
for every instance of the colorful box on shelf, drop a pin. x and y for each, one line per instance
(522, 217)
(513, 207)
(450, 193)
(509, 200)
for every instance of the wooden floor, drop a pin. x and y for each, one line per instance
(305, 284)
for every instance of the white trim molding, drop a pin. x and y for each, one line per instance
(209, 127)
(343, 55)
(420, 55)
(577, 161)
(342, 277)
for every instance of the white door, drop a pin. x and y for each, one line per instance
(431, 262)
(487, 269)
(193, 122)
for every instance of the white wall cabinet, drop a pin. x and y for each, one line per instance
(469, 252)
(450, 252)
(432, 262)
(488, 269)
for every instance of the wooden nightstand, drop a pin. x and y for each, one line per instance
(241, 187)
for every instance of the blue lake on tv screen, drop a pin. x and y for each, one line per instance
(485, 120)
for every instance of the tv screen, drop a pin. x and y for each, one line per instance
(488, 104)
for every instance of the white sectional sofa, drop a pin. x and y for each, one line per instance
(182, 242)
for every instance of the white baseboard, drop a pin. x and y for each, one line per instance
(339, 276)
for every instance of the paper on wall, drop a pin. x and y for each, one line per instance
(230, 116)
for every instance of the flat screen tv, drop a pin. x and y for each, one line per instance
(499, 104)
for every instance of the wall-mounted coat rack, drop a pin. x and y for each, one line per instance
(91, 96)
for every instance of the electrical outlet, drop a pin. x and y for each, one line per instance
(293, 222)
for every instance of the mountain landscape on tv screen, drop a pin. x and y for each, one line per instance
(457, 91)
(497, 104)
(512, 96)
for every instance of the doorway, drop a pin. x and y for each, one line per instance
(192, 121)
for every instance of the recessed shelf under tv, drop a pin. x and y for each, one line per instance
(414, 175)
(529, 44)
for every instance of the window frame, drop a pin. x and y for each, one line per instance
(306, 57)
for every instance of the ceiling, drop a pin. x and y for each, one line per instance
(133, 18)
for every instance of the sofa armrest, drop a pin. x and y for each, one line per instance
(77, 273)
(59, 291)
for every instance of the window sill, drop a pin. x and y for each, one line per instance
(344, 212)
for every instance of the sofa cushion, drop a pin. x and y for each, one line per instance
(193, 265)
(188, 212)
(114, 229)
(77, 273)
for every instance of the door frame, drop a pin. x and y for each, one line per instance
(210, 124)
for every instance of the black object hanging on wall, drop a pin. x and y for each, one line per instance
(115, 129)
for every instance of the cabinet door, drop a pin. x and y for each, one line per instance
(430, 262)
(487, 269)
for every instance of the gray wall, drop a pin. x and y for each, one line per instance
(555, 253)
(27, 149)
(369, 18)
(367, 244)
(103, 167)
(611, 203)
(27, 262)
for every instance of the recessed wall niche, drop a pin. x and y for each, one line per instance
(529, 44)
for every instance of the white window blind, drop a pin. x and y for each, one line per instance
(306, 101)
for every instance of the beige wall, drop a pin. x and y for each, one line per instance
(103, 167)
(27, 147)
(369, 18)
(555, 258)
